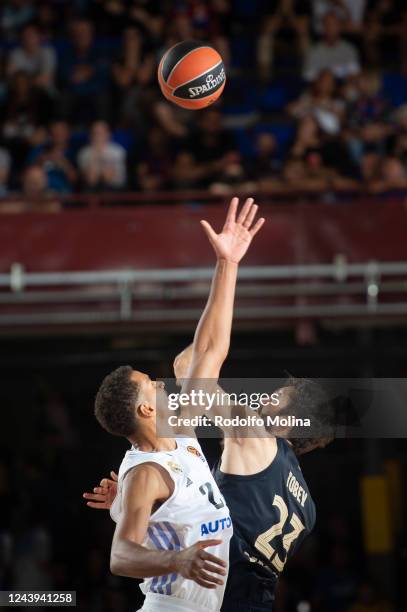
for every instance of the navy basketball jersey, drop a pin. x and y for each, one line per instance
(272, 512)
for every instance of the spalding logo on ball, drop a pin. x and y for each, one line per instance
(192, 75)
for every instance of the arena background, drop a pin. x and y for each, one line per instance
(106, 264)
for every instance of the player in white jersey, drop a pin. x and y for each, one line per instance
(168, 506)
(195, 511)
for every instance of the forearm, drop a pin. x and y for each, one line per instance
(214, 328)
(135, 561)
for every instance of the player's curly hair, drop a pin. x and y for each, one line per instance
(115, 402)
(309, 400)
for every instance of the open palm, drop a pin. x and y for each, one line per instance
(237, 233)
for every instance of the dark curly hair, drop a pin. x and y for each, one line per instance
(115, 402)
(309, 400)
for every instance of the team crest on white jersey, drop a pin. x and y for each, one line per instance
(174, 467)
(195, 451)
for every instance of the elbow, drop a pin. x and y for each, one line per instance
(216, 348)
(124, 568)
(217, 352)
(115, 567)
(118, 566)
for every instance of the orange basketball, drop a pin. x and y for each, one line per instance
(191, 74)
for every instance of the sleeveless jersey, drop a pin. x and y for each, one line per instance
(272, 512)
(195, 511)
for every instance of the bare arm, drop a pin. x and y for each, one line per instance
(142, 489)
(212, 336)
(145, 487)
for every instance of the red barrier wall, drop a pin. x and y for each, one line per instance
(170, 236)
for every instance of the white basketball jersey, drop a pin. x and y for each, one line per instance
(195, 511)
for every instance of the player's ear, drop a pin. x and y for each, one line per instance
(144, 410)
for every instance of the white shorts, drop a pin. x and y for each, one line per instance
(155, 602)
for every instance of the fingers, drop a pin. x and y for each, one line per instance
(250, 217)
(209, 578)
(207, 543)
(245, 211)
(114, 476)
(231, 215)
(206, 585)
(208, 557)
(214, 569)
(95, 497)
(95, 505)
(208, 231)
(259, 224)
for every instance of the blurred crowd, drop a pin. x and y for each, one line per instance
(316, 99)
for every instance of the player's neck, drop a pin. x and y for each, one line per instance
(150, 443)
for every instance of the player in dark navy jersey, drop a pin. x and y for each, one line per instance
(272, 512)
(268, 498)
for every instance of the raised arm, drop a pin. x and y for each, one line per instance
(212, 336)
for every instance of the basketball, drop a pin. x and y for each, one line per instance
(191, 74)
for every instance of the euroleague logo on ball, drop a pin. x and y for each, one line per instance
(191, 74)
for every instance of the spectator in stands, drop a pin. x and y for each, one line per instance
(210, 141)
(36, 192)
(153, 166)
(14, 15)
(187, 174)
(321, 101)
(308, 137)
(232, 178)
(102, 163)
(325, 157)
(369, 167)
(367, 116)
(265, 164)
(30, 57)
(48, 18)
(385, 29)
(5, 164)
(56, 158)
(171, 119)
(36, 196)
(332, 53)
(199, 20)
(116, 15)
(392, 177)
(307, 174)
(83, 75)
(350, 12)
(25, 109)
(290, 15)
(399, 145)
(132, 72)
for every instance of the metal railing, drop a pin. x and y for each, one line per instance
(161, 296)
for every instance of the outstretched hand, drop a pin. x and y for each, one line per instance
(237, 233)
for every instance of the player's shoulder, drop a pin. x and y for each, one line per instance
(150, 479)
(185, 441)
